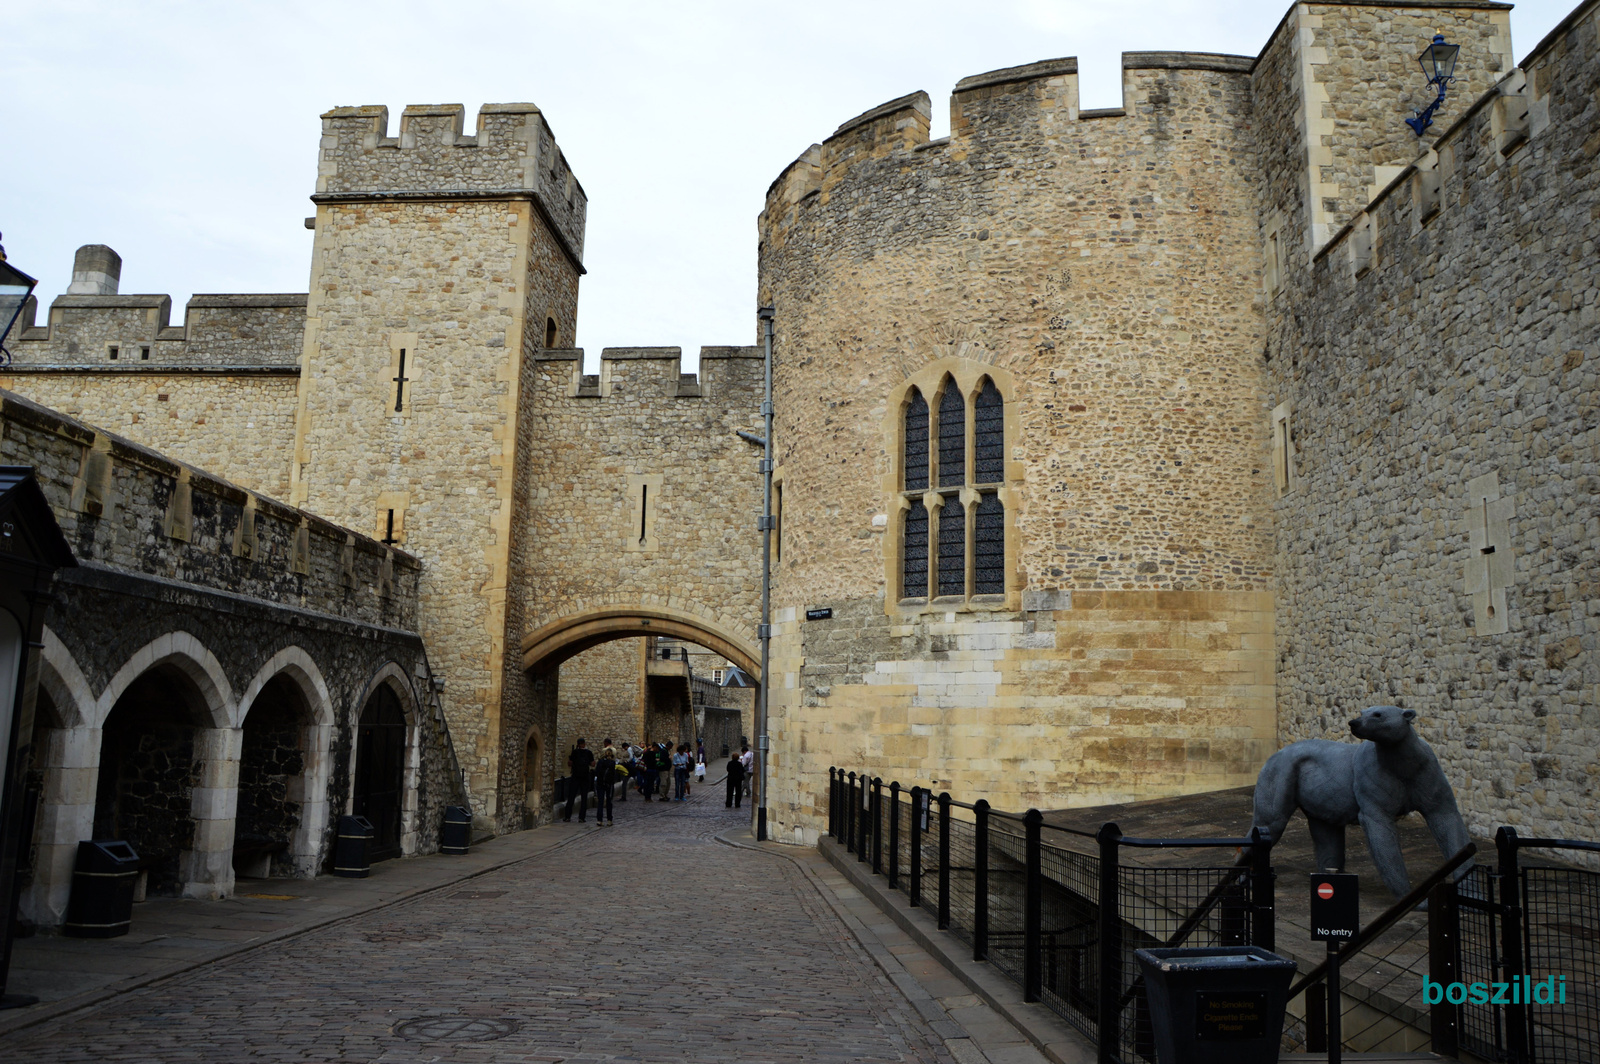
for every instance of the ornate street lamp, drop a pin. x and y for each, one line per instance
(1438, 61)
(15, 288)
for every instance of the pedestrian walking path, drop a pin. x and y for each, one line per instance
(669, 936)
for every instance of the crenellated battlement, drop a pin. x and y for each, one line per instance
(127, 333)
(512, 154)
(729, 377)
(1015, 111)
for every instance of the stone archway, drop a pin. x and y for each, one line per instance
(551, 644)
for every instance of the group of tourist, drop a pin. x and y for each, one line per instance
(645, 770)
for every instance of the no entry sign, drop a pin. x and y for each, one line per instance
(1335, 907)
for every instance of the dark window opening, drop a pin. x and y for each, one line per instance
(777, 524)
(952, 547)
(989, 547)
(388, 534)
(115, 351)
(988, 435)
(644, 508)
(916, 450)
(914, 581)
(952, 436)
(400, 384)
(549, 332)
(144, 354)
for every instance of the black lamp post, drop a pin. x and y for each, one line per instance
(1438, 61)
(15, 288)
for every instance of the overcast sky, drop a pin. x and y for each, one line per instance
(185, 134)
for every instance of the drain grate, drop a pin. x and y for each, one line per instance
(455, 1029)
(478, 895)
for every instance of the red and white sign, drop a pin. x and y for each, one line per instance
(1324, 891)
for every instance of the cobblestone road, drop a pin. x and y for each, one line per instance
(647, 941)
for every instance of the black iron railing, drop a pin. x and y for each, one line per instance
(1056, 909)
(1062, 912)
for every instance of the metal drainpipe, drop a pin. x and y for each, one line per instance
(765, 631)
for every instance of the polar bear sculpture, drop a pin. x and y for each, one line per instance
(1374, 783)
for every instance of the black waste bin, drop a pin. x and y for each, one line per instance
(1216, 1006)
(350, 849)
(457, 830)
(101, 904)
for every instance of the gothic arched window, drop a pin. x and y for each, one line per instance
(948, 548)
(952, 436)
(916, 449)
(915, 552)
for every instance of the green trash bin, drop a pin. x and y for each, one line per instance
(1222, 1005)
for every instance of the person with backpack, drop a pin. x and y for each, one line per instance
(735, 783)
(653, 758)
(581, 764)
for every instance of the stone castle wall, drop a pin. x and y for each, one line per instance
(236, 425)
(219, 331)
(601, 694)
(217, 392)
(639, 495)
(1102, 268)
(1438, 359)
(127, 507)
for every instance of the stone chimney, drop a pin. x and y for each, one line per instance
(96, 271)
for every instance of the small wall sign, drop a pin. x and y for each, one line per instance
(822, 614)
(1335, 907)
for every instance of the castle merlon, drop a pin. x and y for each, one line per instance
(1218, 61)
(1044, 68)
(116, 332)
(726, 372)
(512, 155)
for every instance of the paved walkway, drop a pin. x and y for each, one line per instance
(667, 937)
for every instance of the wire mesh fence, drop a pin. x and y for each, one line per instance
(1561, 907)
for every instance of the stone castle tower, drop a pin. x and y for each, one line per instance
(1055, 438)
(441, 263)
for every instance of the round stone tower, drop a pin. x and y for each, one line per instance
(1023, 452)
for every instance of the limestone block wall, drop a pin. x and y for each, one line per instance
(237, 424)
(1332, 88)
(1102, 267)
(642, 494)
(602, 694)
(450, 290)
(512, 150)
(1436, 540)
(125, 506)
(638, 495)
(218, 331)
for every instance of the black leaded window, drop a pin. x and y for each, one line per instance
(915, 556)
(934, 563)
(988, 435)
(952, 436)
(989, 546)
(916, 456)
(952, 547)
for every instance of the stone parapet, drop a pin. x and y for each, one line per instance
(119, 331)
(124, 506)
